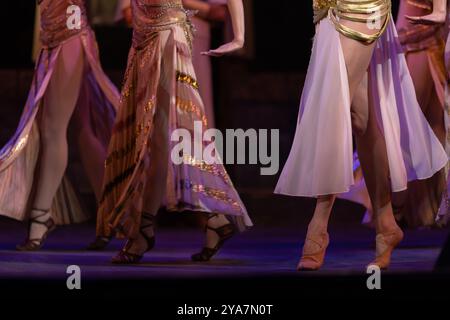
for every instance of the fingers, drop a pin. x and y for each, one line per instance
(213, 53)
(430, 19)
(223, 50)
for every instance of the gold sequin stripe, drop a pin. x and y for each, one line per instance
(323, 4)
(189, 106)
(116, 181)
(210, 168)
(126, 92)
(187, 79)
(18, 147)
(212, 193)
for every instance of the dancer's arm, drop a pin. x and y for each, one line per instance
(438, 15)
(236, 9)
(207, 11)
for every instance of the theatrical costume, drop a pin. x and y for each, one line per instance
(425, 203)
(321, 159)
(393, 138)
(19, 157)
(202, 64)
(160, 78)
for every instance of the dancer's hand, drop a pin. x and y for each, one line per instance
(430, 19)
(225, 49)
(438, 16)
(236, 9)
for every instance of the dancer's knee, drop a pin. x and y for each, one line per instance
(359, 123)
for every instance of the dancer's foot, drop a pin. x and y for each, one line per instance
(99, 244)
(385, 245)
(134, 249)
(218, 231)
(314, 250)
(40, 225)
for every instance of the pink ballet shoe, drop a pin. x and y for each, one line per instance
(312, 261)
(385, 245)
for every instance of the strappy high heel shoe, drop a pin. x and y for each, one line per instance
(125, 256)
(36, 244)
(224, 232)
(312, 261)
(99, 244)
(385, 245)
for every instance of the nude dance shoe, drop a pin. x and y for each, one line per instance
(385, 245)
(313, 261)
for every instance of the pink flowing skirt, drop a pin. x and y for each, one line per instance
(321, 158)
(18, 158)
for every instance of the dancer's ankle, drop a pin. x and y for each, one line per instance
(317, 227)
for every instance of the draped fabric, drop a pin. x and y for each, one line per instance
(426, 202)
(18, 158)
(321, 158)
(160, 64)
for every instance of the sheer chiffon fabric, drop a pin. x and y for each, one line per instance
(160, 64)
(426, 202)
(321, 159)
(19, 157)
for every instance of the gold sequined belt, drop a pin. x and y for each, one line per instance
(54, 37)
(158, 18)
(374, 13)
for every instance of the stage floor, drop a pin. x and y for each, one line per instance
(254, 253)
(257, 266)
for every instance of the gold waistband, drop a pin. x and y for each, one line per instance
(370, 12)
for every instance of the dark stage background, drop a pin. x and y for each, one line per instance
(258, 92)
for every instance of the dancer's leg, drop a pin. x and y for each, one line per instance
(419, 68)
(435, 116)
(357, 59)
(59, 103)
(157, 173)
(372, 153)
(92, 151)
(420, 73)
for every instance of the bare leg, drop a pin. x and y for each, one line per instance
(59, 103)
(435, 117)
(92, 152)
(372, 153)
(357, 59)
